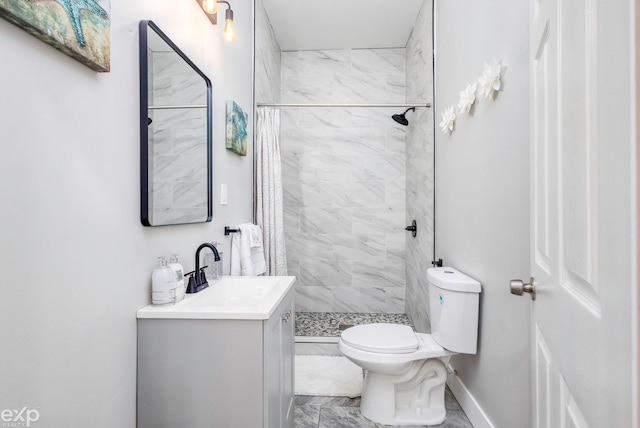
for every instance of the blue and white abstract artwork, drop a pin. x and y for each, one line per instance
(236, 131)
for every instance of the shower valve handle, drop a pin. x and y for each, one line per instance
(413, 228)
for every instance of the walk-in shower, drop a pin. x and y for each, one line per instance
(352, 178)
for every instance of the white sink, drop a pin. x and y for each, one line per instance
(239, 297)
(241, 291)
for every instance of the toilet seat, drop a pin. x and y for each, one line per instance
(365, 343)
(381, 338)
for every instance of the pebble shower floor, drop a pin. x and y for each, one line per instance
(331, 324)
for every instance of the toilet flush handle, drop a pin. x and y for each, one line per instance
(518, 287)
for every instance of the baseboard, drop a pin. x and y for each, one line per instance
(471, 408)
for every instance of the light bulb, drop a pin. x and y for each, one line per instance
(229, 32)
(210, 6)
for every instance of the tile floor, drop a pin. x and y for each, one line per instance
(344, 412)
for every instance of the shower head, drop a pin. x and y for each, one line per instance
(400, 118)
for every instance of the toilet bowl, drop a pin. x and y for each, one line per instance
(405, 372)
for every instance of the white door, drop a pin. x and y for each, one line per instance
(581, 322)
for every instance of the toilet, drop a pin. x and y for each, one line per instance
(405, 372)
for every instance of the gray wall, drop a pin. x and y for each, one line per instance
(75, 260)
(482, 202)
(344, 180)
(420, 168)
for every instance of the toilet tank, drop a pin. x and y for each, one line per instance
(454, 303)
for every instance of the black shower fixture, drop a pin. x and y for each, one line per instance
(400, 118)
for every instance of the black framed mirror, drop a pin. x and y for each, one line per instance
(176, 164)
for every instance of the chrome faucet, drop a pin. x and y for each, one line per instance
(198, 280)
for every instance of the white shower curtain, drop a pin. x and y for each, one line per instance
(269, 204)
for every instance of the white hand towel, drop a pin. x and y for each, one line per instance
(255, 235)
(245, 259)
(236, 270)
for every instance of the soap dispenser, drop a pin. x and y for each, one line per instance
(163, 284)
(178, 271)
(213, 269)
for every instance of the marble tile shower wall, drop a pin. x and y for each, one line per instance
(420, 168)
(178, 135)
(344, 180)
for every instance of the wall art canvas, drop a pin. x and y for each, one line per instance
(79, 28)
(236, 140)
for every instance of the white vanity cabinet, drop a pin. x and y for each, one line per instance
(215, 370)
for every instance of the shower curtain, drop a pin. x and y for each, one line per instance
(269, 204)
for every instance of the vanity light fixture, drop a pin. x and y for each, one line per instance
(210, 8)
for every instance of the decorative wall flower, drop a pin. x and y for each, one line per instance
(490, 80)
(467, 98)
(448, 120)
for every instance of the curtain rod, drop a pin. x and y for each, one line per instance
(427, 105)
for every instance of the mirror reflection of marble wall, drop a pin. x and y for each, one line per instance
(177, 140)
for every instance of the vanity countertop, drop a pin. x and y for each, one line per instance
(232, 297)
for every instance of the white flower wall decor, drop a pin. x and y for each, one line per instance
(490, 80)
(488, 85)
(448, 120)
(467, 98)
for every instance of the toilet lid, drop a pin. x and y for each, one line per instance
(381, 338)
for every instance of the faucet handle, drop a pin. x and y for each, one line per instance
(197, 281)
(201, 278)
(192, 287)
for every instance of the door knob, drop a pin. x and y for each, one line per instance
(518, 287)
